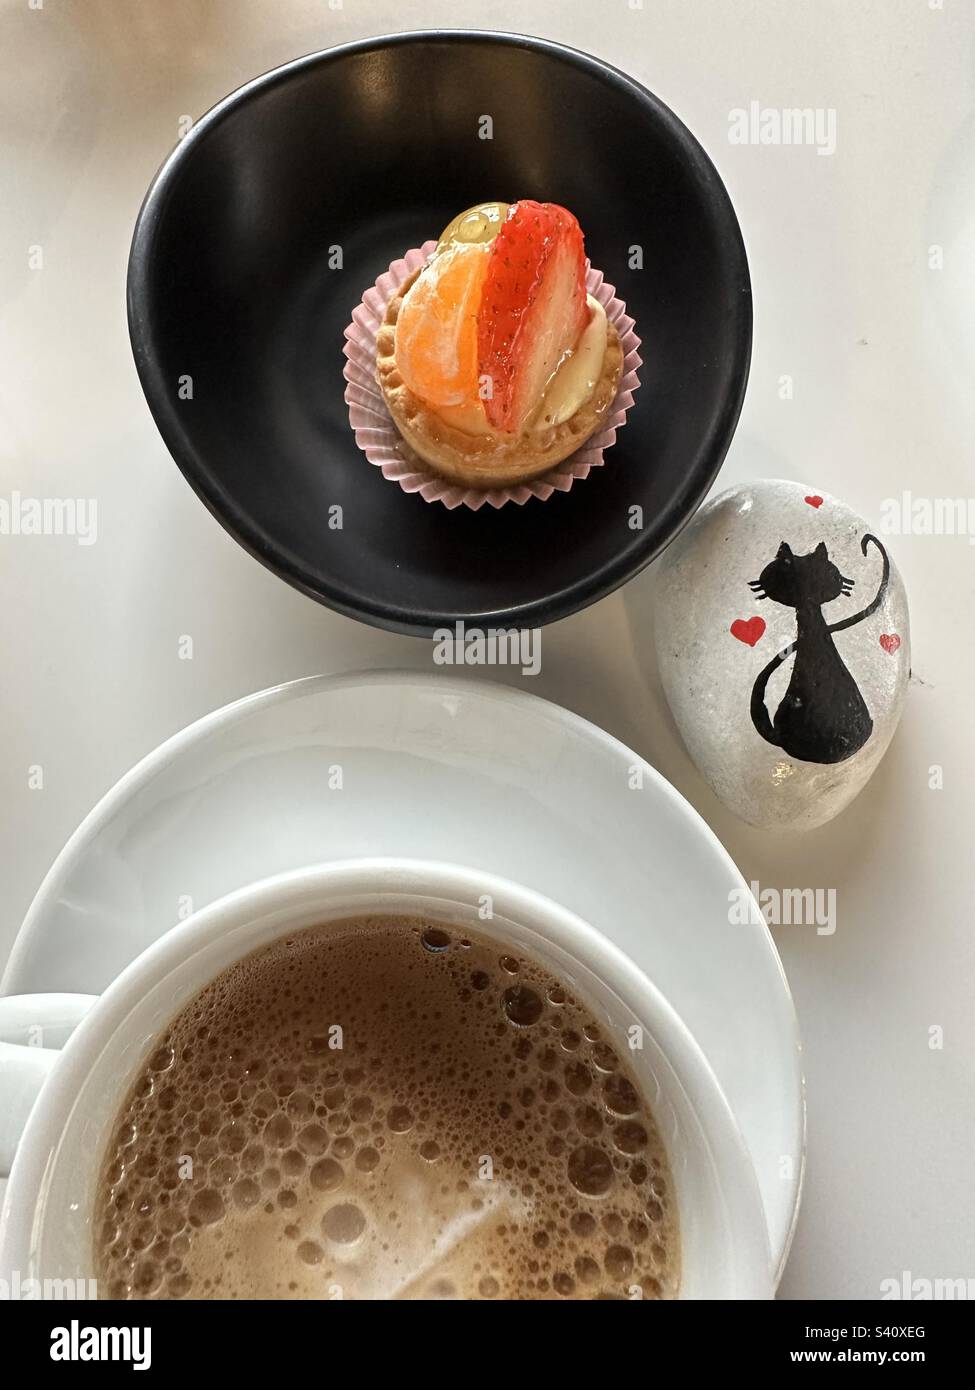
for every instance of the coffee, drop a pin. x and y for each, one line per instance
(386, 1108)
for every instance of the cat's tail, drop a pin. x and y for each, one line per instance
(760, 716)
(881, 592)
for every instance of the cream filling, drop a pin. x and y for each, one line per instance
(568, 388)
(574, 380)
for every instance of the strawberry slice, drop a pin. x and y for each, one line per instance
(532, 309)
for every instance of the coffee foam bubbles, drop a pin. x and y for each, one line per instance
(386, 1108)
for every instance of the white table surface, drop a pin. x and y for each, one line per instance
(881, 349)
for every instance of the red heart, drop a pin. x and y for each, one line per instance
(890, 642)
(749, 631)
(814, 501)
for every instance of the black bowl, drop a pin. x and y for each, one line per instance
(373, 147)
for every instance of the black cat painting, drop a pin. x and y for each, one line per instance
(822, 717)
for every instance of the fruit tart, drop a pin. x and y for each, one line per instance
(494, 362)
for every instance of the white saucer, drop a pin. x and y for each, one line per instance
(460, 770)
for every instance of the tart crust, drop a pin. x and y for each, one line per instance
(487, 460)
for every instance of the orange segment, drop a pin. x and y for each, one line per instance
(436, 332)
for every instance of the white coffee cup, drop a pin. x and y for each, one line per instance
(46, 1221)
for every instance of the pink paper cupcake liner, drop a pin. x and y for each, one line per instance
(383, 446)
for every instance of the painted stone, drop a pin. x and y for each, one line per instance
(783, 644)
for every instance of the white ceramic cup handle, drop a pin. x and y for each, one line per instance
(33, 1029)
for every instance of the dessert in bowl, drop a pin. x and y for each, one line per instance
(301, 189)
(494, 360)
